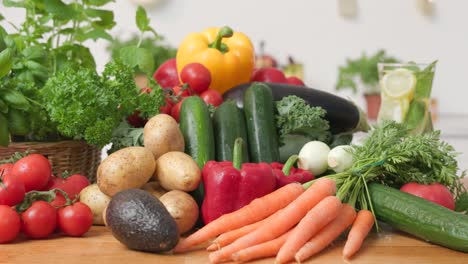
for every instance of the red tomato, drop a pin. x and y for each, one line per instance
(6, 168)
(181, 91)
(75, 219)
(135, 120)
(268, 74)
(175, 112)
(33, 170)
(166, 75)
(294, 80)
(39, 220)
(10, 224)
(436, 193)
(11, 190)
(197, 76)
(146, 90)
(166, 109)
(59, 200)
(213, 97)
(72, 185)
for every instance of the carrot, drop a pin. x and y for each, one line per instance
(285, 220)
(255, 211)
(318, 217)
(230, 236)
(263, 250)
(328, 234)
(361, 227)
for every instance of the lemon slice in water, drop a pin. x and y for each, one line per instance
(399, 83)
(393, 109)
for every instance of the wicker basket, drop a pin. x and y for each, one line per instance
(73, 156)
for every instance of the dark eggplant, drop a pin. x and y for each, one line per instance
(343, 115)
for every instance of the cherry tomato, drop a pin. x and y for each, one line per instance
(59, 200)
(33, 170)
(294, 80)
(75, 219)
(10, 224)
(39, 220)
(11, 190)
(175, 112)
(72, 185)
(135, 120)
(6, 168)
(268, 74)
(146, 90)
(197, 76)
(166, 109)
(211, 96)
(436, 193)
(181, 91)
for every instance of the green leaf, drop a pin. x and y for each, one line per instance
(106, 17)
(142, 20)
(137, 57)
(16, 99)
(59, 9)
(97, 2)
(36, 53)
(4, 134)
(3, 107)
(6, 61)
(461, 205)
(94, 34)
(10, 3)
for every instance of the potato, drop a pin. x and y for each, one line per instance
(182, 208)
(96, 200)
(126, 168)
(162, 134)
(154, 188)
(177, 171)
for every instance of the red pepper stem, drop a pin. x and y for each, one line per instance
(224, 32)
(237, 153)
(289, 163)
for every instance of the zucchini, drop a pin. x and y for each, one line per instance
(343, 115)
(259, 114)
(197, 129)
(229, 124)
(419, 217)
(196, 126)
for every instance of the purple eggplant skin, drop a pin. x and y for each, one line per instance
(343, 115)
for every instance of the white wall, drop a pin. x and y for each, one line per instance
(314, 33)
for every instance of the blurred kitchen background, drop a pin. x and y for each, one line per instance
(321, 36)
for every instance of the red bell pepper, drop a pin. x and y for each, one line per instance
(232, 185)
(286, 174)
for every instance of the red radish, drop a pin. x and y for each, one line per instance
(166, 75)
(434, 192)
(197, 76)
(268, 74)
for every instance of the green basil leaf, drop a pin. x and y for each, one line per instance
(6, 61)
(4, 134)
(36, 53)
(142, 20)
(94, 34)
(3, 107)
(10, 3)
(74, 55)
(59, 9)
(97, 2)
(106, 17)
(137, 57)
(15, 99)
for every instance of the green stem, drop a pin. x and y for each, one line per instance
(289, 163)
(140, 40)
(237, 153)
(224, 32)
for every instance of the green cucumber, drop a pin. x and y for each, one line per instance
(419, 217)
(197, 129)
(229, 124)
(259, 113)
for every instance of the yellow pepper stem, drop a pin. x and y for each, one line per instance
(224, 32)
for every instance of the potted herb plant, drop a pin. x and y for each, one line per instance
(361, 75)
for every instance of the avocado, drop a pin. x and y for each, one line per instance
(141, 222)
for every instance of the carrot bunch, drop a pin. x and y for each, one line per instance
(290, 223)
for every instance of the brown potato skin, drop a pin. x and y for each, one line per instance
(161, 134)
(96, 200)
(182, 207)
(177, 171)
(154, 188)
(126, 168)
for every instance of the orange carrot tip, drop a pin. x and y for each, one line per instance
(360, 229)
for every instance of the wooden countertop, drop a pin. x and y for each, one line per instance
(100, 247)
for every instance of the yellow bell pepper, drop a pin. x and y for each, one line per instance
(228, 55)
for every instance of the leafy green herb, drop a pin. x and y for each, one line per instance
(363, 69)
(391, 155)
(296, 116)
(87, 106)
(124, 136)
